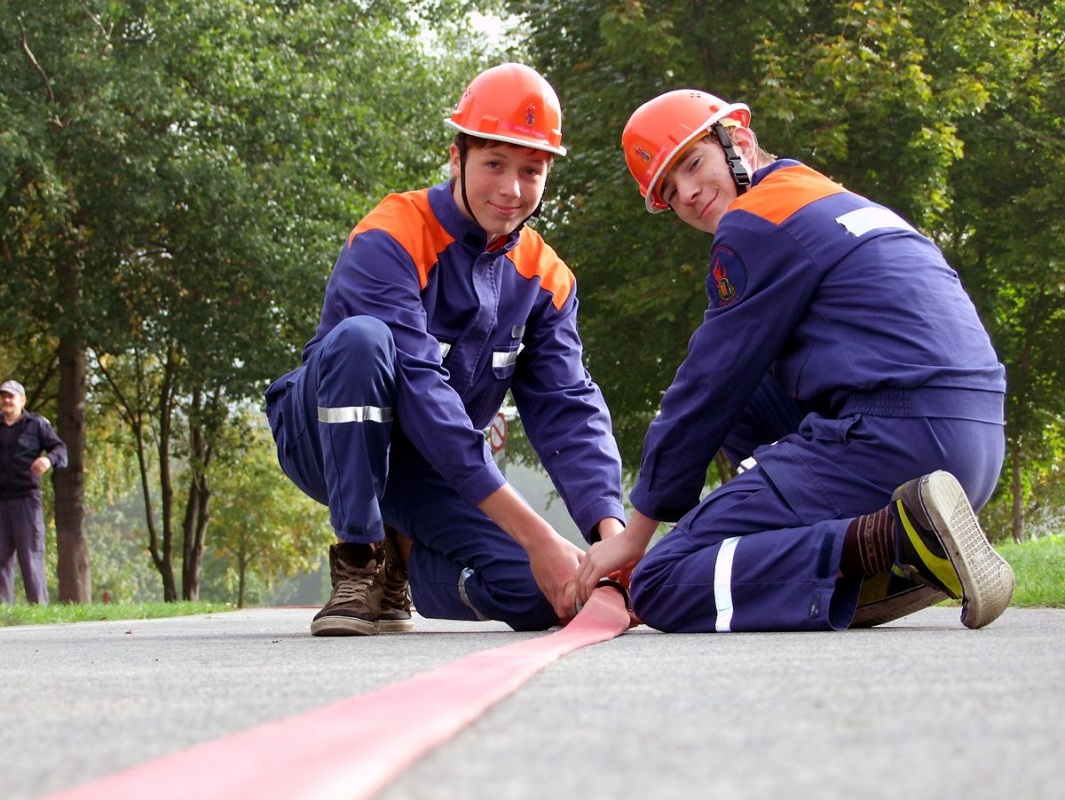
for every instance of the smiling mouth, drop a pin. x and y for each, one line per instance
(503, 211)
(705, 211)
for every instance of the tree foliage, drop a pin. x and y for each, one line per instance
(178, 178)
(949, 112)
(264, 525)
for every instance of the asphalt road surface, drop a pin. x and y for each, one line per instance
(921, 708)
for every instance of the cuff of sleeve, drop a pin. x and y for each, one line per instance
(476, 487)
(657, 511)
(589, 516)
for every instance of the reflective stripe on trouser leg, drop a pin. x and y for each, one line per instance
(723, 584)
(500, 585)
(352, 373)
(465, 575)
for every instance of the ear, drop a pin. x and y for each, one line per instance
(454, 161)
(746, 143)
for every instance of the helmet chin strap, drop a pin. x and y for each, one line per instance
(462, 177)
(735, 164)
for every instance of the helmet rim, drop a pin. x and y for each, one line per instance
(511, 103)
(649, 156)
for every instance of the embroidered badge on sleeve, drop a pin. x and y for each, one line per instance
(728, 277)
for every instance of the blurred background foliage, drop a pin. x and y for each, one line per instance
(178, 177)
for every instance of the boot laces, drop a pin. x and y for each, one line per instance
(352, 582)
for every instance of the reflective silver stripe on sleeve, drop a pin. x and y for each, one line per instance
(463, 577)
(445, 348)
(354, 414)
(723, 584)
(860, 221)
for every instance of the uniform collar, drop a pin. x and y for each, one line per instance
(780, 163)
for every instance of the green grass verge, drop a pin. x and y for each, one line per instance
(24, 614)
(1039, 566)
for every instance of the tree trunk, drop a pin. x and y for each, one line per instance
(75, 574)
(198, 508)
(1019, 422)
(166, 482)
(197, 515)
(242, 581)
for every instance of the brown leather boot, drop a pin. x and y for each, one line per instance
(395, 591)
(354, 608)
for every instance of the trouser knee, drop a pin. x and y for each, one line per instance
(363, 341)
(645, 587)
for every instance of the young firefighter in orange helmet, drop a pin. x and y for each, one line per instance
(841, 362)
(440, 302)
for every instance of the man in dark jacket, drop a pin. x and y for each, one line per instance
(28, 449)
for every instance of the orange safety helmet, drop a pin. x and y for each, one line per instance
(511, 103)
(660, 131)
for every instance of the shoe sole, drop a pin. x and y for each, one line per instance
(343, 626)
(895, 606)
(395, 625)
(987, 581)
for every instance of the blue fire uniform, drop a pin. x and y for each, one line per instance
(840, 351)
(423, 331)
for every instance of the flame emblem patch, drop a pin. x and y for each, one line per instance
(728, 277)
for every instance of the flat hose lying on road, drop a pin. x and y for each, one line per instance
(354, 748)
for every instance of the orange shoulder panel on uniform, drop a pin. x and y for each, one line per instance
(533, 257)
(796, 187)
(409, 220)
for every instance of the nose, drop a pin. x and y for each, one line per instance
(687, 189)
(511, 185)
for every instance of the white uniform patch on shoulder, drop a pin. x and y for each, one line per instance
(863, 220)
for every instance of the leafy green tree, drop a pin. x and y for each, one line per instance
(825, 82)
(1006, 229)
(58, 98)
(271, 113)
(949, 112)
(122, 569)
(263, 525)
(178, 178)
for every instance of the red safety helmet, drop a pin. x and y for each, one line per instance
(660, 130)
(511, 103)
